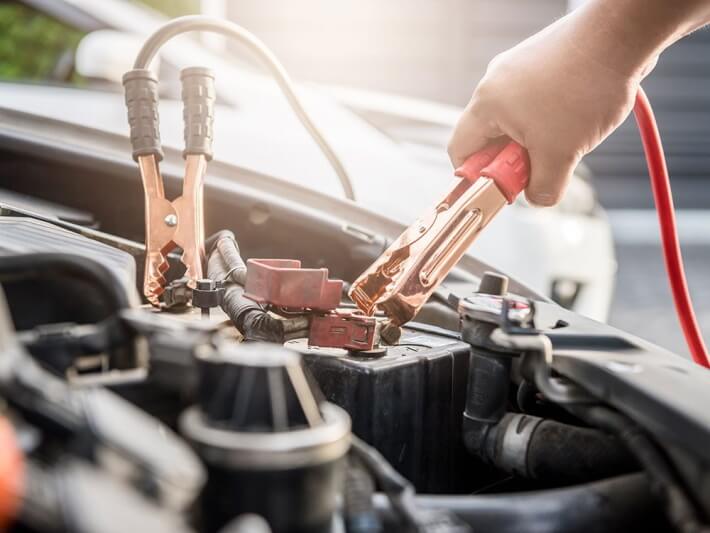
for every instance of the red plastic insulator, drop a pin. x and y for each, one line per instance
(505, 162)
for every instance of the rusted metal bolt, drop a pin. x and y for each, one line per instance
(389, 333)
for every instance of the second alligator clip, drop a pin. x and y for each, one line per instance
(401, 280)
(178, 223)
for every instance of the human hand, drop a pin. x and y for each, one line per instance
(557, 96)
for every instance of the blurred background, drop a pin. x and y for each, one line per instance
(437, 51)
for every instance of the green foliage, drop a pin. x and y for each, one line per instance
(174, 8)
(34, 46)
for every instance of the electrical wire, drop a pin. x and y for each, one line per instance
(663, 197)
(229, 29)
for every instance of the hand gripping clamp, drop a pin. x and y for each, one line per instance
(178, 223)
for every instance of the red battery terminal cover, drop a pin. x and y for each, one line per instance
(346, 330)
(282, 283)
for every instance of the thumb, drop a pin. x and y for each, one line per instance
(549, 176)
(471, 134)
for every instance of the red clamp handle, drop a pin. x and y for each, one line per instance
(506, 163)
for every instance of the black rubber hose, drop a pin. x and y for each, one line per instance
(526, 397)
(226, 244)
(619, 504)
(58, 265)
(562, 453)
(250, 319)
(538, 448)
(680, 509)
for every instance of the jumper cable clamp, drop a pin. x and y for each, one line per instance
(178, 223)
(401, 280)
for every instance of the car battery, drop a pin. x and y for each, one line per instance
(407, 401)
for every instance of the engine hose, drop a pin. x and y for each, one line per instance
(544, 449)
(663, 198)
(620, 504)
(681, 511)
(557, 452)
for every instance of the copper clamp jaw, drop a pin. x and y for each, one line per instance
(401, 280)
(178, 223)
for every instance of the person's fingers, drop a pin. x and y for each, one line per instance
(549, 175)
(472, 132)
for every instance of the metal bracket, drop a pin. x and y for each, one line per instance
(538, 348)
(516, 332)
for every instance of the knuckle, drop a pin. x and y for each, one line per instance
(482, 97)
(497, 61)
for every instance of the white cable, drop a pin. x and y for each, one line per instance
(201, 23)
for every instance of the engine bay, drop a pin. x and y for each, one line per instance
(258, 398)
(423, 403)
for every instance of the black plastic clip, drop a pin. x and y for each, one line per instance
(207, 294)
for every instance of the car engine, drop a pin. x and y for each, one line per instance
(257, 398)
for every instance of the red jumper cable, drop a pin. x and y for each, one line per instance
(660, 184)
(401, 280)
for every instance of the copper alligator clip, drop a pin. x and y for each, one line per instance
(401, 280)
(170, 225)
(178, 223)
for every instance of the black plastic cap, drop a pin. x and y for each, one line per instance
(141, 93)
(207, 293)
(256, 388)
(198, 97)
(493, 283)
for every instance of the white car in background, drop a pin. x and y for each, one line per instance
(392, 147)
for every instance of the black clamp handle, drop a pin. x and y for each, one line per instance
(141, 92)
(198, 97)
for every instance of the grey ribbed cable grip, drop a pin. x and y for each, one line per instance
(198, 97)
(141, 92)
